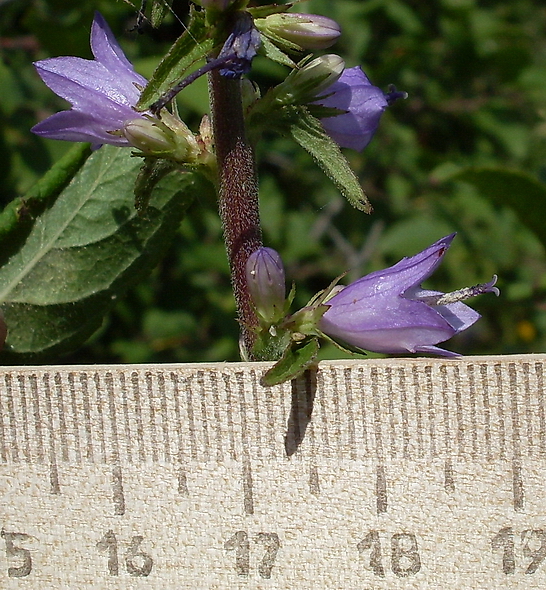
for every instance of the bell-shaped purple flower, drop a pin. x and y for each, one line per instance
(388, 312)
(364, 103)
(102, 91)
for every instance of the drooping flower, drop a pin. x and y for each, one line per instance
(266, 283)
(102, 92)
(353, 92)
(387, 311)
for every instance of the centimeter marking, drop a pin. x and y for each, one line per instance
(377, 416)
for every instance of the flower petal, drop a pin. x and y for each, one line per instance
(407, 273)
(365, 103)
(389, 324)
(106, 49)
(82, 82)
(75, 125)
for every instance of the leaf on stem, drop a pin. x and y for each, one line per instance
(84, 252)
(308, 132)
(192, 46)
(296, 359)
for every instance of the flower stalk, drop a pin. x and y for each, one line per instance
(237, 195)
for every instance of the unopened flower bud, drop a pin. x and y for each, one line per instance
(148, 136)
(299, 31)
(304, 84)
(266, 283)
(168, 137)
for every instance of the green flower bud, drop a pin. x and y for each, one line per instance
(149, 136)
(305, 83)
(299, 31)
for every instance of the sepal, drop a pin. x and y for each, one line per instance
(297, 358)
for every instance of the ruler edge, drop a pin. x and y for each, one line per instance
(221, 366)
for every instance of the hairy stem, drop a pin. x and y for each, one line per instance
(238, 194)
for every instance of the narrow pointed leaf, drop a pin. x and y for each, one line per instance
(192, 46)
(84, 252)
(271, 51)
(159, 10)
(295, 360)
(308, 132)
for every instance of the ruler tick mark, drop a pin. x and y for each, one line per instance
(53, 469)
(126, 417)
(500, 411)
(349, 413)
(152, 412)
(217, 418)
(33, 382)
(164, 417)
(431, 410)
(418, 411)
(486, 410)
(459, 412)
(204, 419)
(100, 416)
(87, 417)
(381, 489)
(62, 416)
(528, 408)
(404, 412)
(25, 416)
(473, 417)
(248, 492)
(75, 416)
(135, 388)
(541, 410)
(11, 416)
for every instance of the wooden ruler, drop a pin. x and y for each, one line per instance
(383, 474)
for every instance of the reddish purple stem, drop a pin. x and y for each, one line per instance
(238, 194)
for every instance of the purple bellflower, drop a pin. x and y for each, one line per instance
(353, 92)
(387, 311)
(102, 92)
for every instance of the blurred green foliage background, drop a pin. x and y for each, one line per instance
(475, 72)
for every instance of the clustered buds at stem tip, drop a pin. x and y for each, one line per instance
(266, 283)
(387, 311)
(306, 31)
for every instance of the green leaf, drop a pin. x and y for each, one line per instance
(189, 48)
(308, 132)
(18, 216)
(159, 10)
(272, 52)
(296, 359)
(518, 190)
(84, 252)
